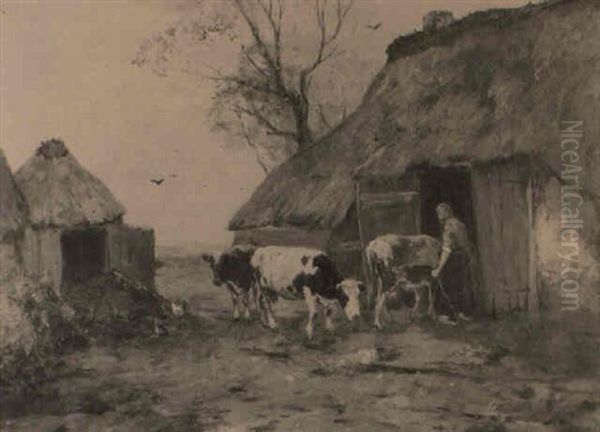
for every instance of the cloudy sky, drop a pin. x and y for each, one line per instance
(66, 72)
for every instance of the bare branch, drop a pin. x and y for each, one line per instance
(275, 19)
(323, 118)
(272, 63)
(272, 129)
(248, 84)
(325, 51)
(255, 65)
(252, 145)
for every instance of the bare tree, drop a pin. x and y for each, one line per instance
(267, 100)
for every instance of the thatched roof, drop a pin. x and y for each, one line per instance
(496, 86)
(61, 193)
(13, 210)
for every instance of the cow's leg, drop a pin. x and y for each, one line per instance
(329, 312)
(245, 302)
(379, 306)
(236, 309)
(431, 300)
(267, 306)
(234, 301)
(311, 303)
(417, 307)
(379, 301)
(260, 308)
(256, 297)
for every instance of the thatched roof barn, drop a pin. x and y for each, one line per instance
(13, 210)
(62, 193)
(479, 104)
(77, 227)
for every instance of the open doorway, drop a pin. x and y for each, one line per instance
(451, 185)
(83, 253)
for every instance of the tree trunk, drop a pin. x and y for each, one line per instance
(301, 108)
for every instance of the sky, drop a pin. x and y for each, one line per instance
(66, 71)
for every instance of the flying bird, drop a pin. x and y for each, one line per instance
(374, 27)
(157, 182)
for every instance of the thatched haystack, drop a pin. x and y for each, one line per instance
(34, 321)
(486, 95)
(63, 193)
(77, 228)
(13, 211)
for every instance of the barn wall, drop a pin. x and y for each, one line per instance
(274, 236)
(502, 219)
(131, 251)
(42, 256)
(549, 262)
(10, 261)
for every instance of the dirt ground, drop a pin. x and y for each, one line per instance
(210, 373)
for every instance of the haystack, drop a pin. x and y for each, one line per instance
(472, 114)
(33, 320)
(77, 228)
(13, 211)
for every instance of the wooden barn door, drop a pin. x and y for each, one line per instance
(503, 231)
(388, 207)
(391, 206)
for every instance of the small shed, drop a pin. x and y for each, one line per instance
(77, 227)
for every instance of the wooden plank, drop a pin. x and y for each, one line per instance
(276, 236)
(504, 230)
(532, 295)
(350, 246)
(386, 199)
(363, 245)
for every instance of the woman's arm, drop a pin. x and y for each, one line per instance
(446, 251)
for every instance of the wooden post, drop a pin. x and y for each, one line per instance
(363, 245)
(532, 277)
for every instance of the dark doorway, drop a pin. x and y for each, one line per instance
(83, 253)
(451, 185)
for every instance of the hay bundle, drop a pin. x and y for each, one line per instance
(111, 305)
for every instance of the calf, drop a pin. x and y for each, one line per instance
(295, 273)
(232, 268)
(402, 262)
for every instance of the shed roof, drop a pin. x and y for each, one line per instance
(62, 193)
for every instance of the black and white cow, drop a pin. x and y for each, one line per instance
(232, 268)
(402, 263)
(295, 273)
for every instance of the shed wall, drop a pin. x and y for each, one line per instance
(131, 251)
(42, 256)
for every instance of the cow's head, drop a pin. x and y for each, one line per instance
(212, 259)
(350, 291)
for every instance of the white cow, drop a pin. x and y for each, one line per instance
(300, 273)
